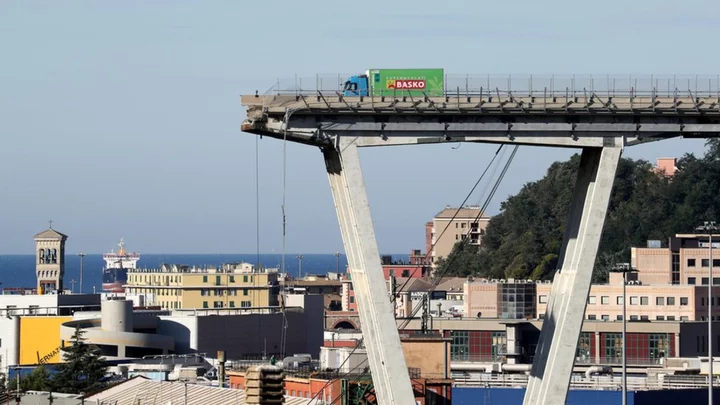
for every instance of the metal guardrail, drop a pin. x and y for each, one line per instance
(596, 383)
(488, 85)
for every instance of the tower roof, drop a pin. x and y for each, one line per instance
(50, 234)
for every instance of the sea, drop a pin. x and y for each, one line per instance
(19, 270)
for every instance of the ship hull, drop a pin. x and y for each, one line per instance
(114, 279)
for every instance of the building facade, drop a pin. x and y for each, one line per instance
(455, 224)
(183, 287)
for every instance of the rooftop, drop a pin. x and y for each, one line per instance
(50, 234)
(468, 212)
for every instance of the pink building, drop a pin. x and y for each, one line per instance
(666, 166)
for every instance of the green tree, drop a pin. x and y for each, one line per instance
(464, 260)
(38, 380)
(525, 239)
(83, 367)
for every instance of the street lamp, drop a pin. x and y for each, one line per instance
(81, 270)
(300, 257)
(337, 262)
(709, 227)
(624, 268)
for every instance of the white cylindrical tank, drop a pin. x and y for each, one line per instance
(117, 316)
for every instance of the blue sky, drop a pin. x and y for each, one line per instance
(123, 118)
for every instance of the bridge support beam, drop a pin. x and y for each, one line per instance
(380, 334)
(555, 354)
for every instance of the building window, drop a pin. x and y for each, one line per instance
(245, 293)
(205, 281)
(352, 301)
(232, 280)
(606, 301)
(205, 305)
(613, 346)
(593, 317)
(660, 301)
(672, 318)
(607, 318)
(662, 318)
(705, 281)
(634, 301)
(591, 300)
(620, 300)
(671, 301)
(543, 300)
(245, 280)
(406, 273)
(691, 280)
(232, 305)
(619, 317)
(705, 263)
(691, 263)
(460, 345)
(684, 301)
(644, 301)
(584, 347)
(685, 318)
(633, 317)
(644, 317)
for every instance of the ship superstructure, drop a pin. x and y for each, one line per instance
(117, 266)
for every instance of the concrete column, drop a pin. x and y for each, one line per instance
(552, 366)
(597, 348)
(385, 354)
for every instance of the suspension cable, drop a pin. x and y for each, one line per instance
(455, 252)
(457, 212)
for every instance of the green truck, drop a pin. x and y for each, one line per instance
(397, 82)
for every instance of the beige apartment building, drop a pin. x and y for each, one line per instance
(235, 285)
(467, 222)
(659, 302)
(684, 260)
(527, 299)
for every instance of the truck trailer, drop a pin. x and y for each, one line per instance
(396, 83)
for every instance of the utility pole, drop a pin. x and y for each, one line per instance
(81, 270)
(624, 268)
(300, 257)
(72, 286)
(710, 227)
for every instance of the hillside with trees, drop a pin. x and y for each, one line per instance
(524, 240)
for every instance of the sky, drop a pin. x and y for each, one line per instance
(122, 119)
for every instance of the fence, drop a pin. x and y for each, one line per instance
(594, 383)
(488, 85)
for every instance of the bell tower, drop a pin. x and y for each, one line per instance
(50, 260)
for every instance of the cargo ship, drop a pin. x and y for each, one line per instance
(116, 268)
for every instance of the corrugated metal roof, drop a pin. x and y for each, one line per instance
(141, 391)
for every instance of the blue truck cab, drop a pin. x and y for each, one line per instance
(356, 86)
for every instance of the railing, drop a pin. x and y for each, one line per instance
(617, 361)
(476, 358)
(487, 85)
(582, 382)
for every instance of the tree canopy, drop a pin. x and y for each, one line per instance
(83, 369)
(524, 240)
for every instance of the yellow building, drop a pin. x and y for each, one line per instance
(40, 339)
(185, 287)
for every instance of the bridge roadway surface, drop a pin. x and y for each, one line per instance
(602, 125)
